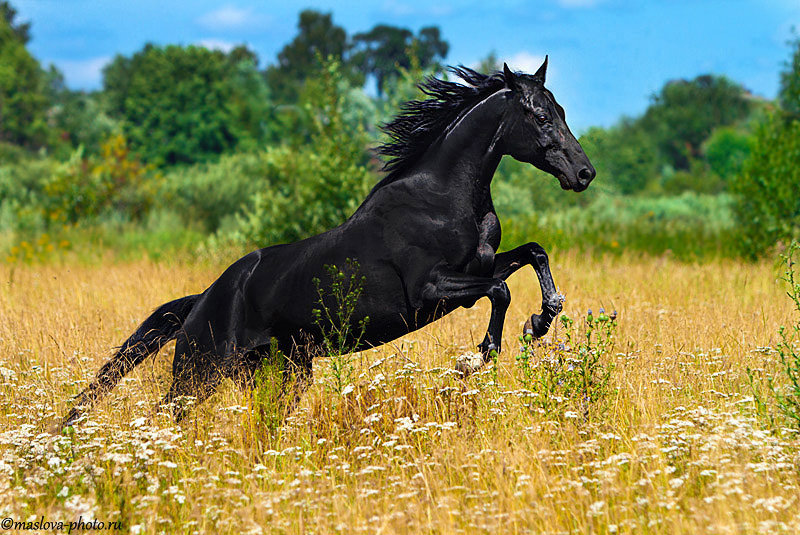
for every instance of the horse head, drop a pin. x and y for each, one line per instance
(537, 131)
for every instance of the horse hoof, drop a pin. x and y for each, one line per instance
(528, 327)
(536, 326)
(469, 363)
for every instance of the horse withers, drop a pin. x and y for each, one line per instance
(425, 240)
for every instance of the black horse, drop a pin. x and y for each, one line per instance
(425, 240)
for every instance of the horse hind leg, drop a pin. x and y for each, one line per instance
(195, 377)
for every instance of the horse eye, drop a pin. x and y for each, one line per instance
(538, 115)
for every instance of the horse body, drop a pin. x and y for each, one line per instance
(425, 240)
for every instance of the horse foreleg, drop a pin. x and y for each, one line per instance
(454, 289)
(534, 255)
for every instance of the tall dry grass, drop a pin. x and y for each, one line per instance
(412, 448)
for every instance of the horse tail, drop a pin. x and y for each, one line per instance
(159, 328)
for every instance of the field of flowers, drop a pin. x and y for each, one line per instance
(647, 424)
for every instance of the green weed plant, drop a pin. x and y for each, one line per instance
(571, 376)
(335, 317)
(777, 395)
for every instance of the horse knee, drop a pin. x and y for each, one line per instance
(538, 254)
(535, 248)
(499, 294)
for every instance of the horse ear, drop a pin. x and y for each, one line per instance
(542, 72)
(511, 79)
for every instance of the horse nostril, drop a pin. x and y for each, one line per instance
(586, 174)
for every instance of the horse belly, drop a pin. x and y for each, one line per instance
(388, 310)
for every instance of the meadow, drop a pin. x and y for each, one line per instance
(671, 442)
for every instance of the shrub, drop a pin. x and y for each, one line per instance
(690, 226)
(22, 183)
(768, 207)
(780, 400)
(315, 186)
(334, 317)
(571, 376)
(726, 151)
(269, 383)
(213, 193)
(82, 189)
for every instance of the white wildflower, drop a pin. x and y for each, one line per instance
(373, 418)
(404, 424)
(139, 422)
(596, 509)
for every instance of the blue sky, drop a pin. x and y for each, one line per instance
(607, 57)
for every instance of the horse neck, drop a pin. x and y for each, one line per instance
(467, 154)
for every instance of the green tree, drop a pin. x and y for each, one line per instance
(491, 63)
(726, 150)
(187, 104)
(311, 186)
(23, 102)
(430, 47)
(624, 155)
(685, 112)
(21, 29)
(77, 118)
(384, 50)
(789, 94)
(768, 206)
(317, 37)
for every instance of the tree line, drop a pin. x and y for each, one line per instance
(186, 104)
(276, 153)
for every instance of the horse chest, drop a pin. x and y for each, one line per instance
(452, 233)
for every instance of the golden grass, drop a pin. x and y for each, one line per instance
(413, 448)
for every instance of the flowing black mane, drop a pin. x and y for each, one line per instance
(420, 122)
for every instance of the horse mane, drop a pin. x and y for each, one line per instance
(420, 122)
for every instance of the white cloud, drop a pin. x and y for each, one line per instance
(85, 73)
(396, 8)
(217, 44)
(232, 18)
(525, 61)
